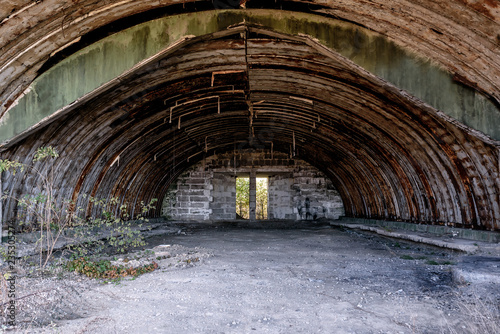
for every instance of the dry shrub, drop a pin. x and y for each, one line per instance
(479, 316)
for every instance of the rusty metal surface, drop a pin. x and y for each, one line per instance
(389, 155)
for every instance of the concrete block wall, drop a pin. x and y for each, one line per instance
(280, 197)
(296, 190)
(223, 205)
(190, 197)
(314, 195)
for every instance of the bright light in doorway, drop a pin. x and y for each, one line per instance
(243, 198)
(261, 207)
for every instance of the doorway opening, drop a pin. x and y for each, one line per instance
(261, 198)
(243, 197)
(245, 202)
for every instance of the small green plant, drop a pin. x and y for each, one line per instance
(41, 213)
(407, 257)
(4, 254)
(169, 202)
(105, 270)
(111, 228)
(192, 260)
(11, 166)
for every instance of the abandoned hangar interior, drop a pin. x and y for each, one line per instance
(371, 109)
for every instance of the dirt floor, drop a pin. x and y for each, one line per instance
(305, 279)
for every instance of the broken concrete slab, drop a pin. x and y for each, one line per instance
(477, 269)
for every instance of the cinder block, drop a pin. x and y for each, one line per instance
(197, 192)
(196, 217)
(198, 199)
(197, 211)
(199, 205)
(195, 181)
(215, 205)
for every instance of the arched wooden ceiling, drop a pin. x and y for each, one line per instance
(460, 35)
(390, 155)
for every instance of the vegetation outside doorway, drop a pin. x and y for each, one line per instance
(243, 198)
